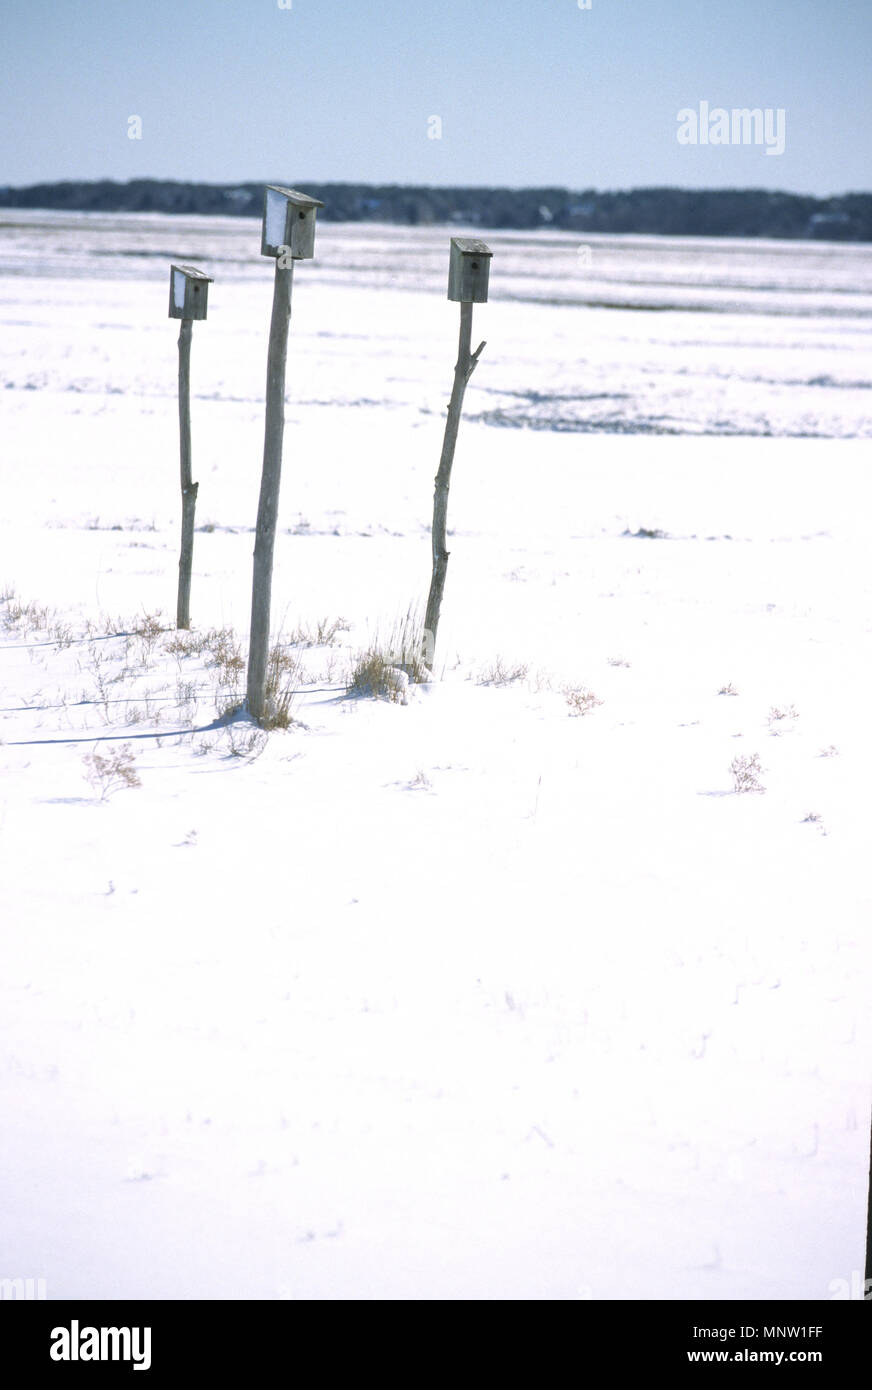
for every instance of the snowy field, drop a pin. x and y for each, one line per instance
(506, 992)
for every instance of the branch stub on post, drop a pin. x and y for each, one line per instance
(189, 291)
(288, 221)
(468, 270)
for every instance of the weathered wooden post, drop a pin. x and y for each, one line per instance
(468, 271)
(288, 235)
(867, 1280)
(189, 291)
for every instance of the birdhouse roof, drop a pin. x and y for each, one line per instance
(468, 246)
(299, 200)
(192, 272)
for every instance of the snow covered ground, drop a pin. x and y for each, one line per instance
(501, 993)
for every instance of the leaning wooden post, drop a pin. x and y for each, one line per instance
(468, 272)
(189, 291)
(288, 235)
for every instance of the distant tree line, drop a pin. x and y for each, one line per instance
(740, 212)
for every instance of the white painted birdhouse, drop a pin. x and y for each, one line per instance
(288, 221)
(189, 290)
(468, 270)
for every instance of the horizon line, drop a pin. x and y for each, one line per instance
(441, 187)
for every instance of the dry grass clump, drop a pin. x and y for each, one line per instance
(112, 771)
(581, 700)
(386, 668)
(185, 643)
(106, 676)
(282, 682)
(375, 674)
(23, 618)
(746, 771)
(500, 672)
(224, 653)
(781, 715)
(323, 632)
(245, 741)
(219, 647)
(149, 625)
(406, 647)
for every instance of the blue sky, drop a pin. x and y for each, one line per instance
(528, 92)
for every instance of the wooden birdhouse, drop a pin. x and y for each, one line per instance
(468, 270)
(189, 290)
(288, 220)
